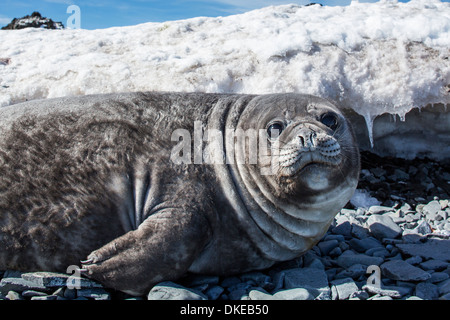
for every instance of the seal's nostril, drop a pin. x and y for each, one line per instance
(312, 139)
(307, 139)
(302, 141)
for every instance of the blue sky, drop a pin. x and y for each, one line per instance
(97, 14)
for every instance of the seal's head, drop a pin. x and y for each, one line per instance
(310, 150)
(307, 168)
(312, 147)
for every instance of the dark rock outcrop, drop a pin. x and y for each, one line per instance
(34, 21)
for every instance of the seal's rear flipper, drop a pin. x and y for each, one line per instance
(161, 249)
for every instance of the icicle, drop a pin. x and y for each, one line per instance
(369, 123)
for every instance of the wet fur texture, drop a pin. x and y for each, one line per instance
(55, 172)
(91, 177)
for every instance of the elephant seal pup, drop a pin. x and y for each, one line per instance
(145, 187)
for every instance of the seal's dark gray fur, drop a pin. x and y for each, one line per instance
(92, 177)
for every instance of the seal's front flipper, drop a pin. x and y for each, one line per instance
(162, 248)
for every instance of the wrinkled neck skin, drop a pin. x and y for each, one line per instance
(281, 226)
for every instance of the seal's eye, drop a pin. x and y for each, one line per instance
(274, 129)
(330, 120)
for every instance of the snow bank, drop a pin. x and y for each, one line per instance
(371, 57)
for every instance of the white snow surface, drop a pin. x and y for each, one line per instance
(371, 57)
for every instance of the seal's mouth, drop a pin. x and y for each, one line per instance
(311, 166)
(300, 167)
(294, 160)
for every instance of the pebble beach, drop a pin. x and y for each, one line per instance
(391, 242)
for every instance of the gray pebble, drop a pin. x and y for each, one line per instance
(423, 228)
(378, 172)
(50, 297)
(337, 237)
(70, 293)
(447, 270)
(20, 285)
(240, 286)
(12, 295)
(326, 246)
(131, 298)
(295, 294)
(401, 270)
(380, 297)
(12, 274)
(359, 231)
(411, 218)
(410, 236)
(171, 291)
(308, 278)
(444, 287)
(443, 215)
(438, 277)
(46, 279)
(344, 229)
(414, 298)
(414, 260)
(259, 279)
(59, 292)
(401, 175)
(33, 293)
(348, 212)
(260, 295)
(53, 279)
(378, 252)
(344, 246)
(335, 252)
(431, 249)
(278, 281)
(446, 226)
(406, 208)
(237, 294)
(214, 292)
(347, 259)
(395, 256)
(374, 210)
(315, 263)
(445, 297)
(359, 295)
(230, 281)
(362, 245)
(354, 271)
(383, 227)
(432, 264)
(398, 220)
(432, 208)
(290, 294)
(426, 291)
(94, 293)
(342, 289)
(390, 291)
(331, 273)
